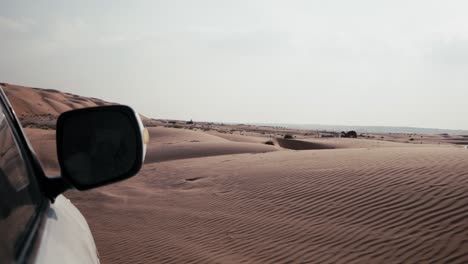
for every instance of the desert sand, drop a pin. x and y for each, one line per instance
(211, 193)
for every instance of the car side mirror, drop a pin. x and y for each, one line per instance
(99, 145)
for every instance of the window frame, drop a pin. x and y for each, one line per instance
(35, 176)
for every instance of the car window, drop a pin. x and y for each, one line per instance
(19, 195)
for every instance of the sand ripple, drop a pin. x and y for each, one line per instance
(385, 205)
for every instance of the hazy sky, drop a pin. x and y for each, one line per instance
(400, 63)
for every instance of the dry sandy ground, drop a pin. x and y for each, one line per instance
(357, 203)
(217, 197)
(334, 206)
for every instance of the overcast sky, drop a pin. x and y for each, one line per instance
(367, 62)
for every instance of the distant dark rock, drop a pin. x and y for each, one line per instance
(349, 134)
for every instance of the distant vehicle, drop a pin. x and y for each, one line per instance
(95, 146)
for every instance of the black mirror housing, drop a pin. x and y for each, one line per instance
(99, 145)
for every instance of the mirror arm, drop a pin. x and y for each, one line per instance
(54, 187)
(50, 187)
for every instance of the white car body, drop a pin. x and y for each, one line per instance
(65, 236)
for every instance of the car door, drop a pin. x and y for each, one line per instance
(21, 201)
(32, 229)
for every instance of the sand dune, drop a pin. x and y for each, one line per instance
(173, 144)
(243, 138)
(302, 144)
(341, 143)
(388, 205)
(29, 101)
(164, 135)
(165, 144)
(39, 108)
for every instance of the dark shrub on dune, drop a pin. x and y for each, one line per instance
(269, 142)
(288, 136)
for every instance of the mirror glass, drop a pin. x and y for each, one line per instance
(99, 145)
